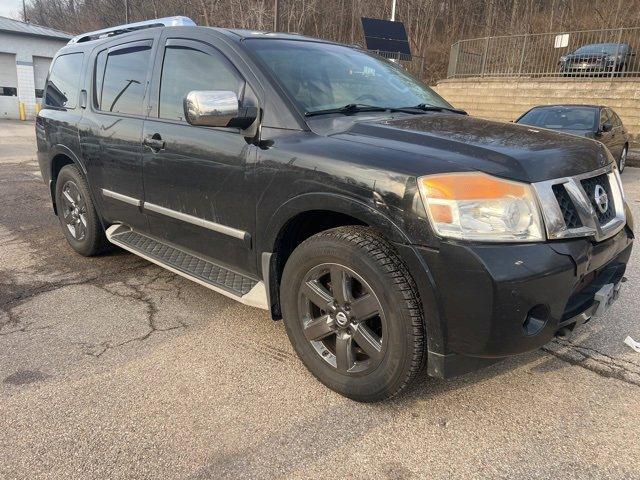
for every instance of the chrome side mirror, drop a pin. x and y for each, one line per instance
(217, 108)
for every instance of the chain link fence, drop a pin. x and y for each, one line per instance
(593, 53)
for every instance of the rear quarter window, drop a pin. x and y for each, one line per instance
(63, 85)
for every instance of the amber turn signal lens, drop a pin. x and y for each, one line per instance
(469, 186)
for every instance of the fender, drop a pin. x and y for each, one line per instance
(415, 263)
(59, 149)
(333, 202)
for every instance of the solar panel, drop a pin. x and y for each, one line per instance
(386, 36)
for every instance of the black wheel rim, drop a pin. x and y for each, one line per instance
(74, 210)
(342, 319)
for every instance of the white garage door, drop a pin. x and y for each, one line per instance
(40, 70)
(8, 74)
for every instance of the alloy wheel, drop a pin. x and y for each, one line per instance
(74, 210)
(342, 318)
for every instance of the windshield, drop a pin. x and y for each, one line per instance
(562, 118)
(608, 48)
(320, 76)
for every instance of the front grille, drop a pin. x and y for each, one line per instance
(590, 185)
(568, 209)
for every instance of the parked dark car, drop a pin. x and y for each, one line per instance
(327, 186)
(598, 58)
(592, 121)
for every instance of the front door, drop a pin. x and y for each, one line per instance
(196, 194)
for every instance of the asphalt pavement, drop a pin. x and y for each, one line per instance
(111, 367)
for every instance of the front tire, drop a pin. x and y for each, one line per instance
(77, 214)
(352, 313)
(622, 161)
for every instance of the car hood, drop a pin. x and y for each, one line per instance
(450, 142)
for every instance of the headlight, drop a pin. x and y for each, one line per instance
(477, 206)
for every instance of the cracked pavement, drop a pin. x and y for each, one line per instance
(111, 367)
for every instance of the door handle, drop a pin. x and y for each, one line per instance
(154, 142)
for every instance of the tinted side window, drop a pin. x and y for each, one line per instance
(125, 80)
(186, 69)
(63, 85)
(604, 117)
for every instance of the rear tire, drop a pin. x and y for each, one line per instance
(352, 313)
(77, 214)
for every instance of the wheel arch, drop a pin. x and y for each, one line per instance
(302, 217)
(61, 156)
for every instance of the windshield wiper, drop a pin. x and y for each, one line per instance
(351, 108)
(433, 108)
(347, 109)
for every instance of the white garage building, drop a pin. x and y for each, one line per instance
(26, 51)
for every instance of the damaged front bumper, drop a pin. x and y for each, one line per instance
(494, 301)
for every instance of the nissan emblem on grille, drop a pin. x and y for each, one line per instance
(601, 198)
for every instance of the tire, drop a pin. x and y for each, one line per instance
(77, 214)
(622, 161)
(373, 356)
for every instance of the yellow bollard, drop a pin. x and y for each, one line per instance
(23, 113)
(38, 108)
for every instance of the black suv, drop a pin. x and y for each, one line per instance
(326, 185)
(599, 58)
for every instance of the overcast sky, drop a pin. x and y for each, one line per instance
(10, 8)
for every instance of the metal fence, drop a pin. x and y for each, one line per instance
(414, 64)
(601, 53)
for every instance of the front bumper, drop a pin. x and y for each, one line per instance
(492, 301)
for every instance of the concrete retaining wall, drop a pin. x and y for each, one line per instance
(506, 99)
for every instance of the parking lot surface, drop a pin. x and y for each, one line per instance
(111, 367)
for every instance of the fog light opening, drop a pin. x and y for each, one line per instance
(536, 320)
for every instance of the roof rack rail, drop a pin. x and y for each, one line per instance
(130, 27)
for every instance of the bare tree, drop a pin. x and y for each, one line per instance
(432, 25)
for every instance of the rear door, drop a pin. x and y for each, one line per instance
(195, 178)
(112, 136)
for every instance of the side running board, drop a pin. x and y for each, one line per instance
(220, 279)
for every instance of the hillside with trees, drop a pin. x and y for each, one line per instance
(432, 25)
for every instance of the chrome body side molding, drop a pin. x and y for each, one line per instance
(201, 222)
(123, 198)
